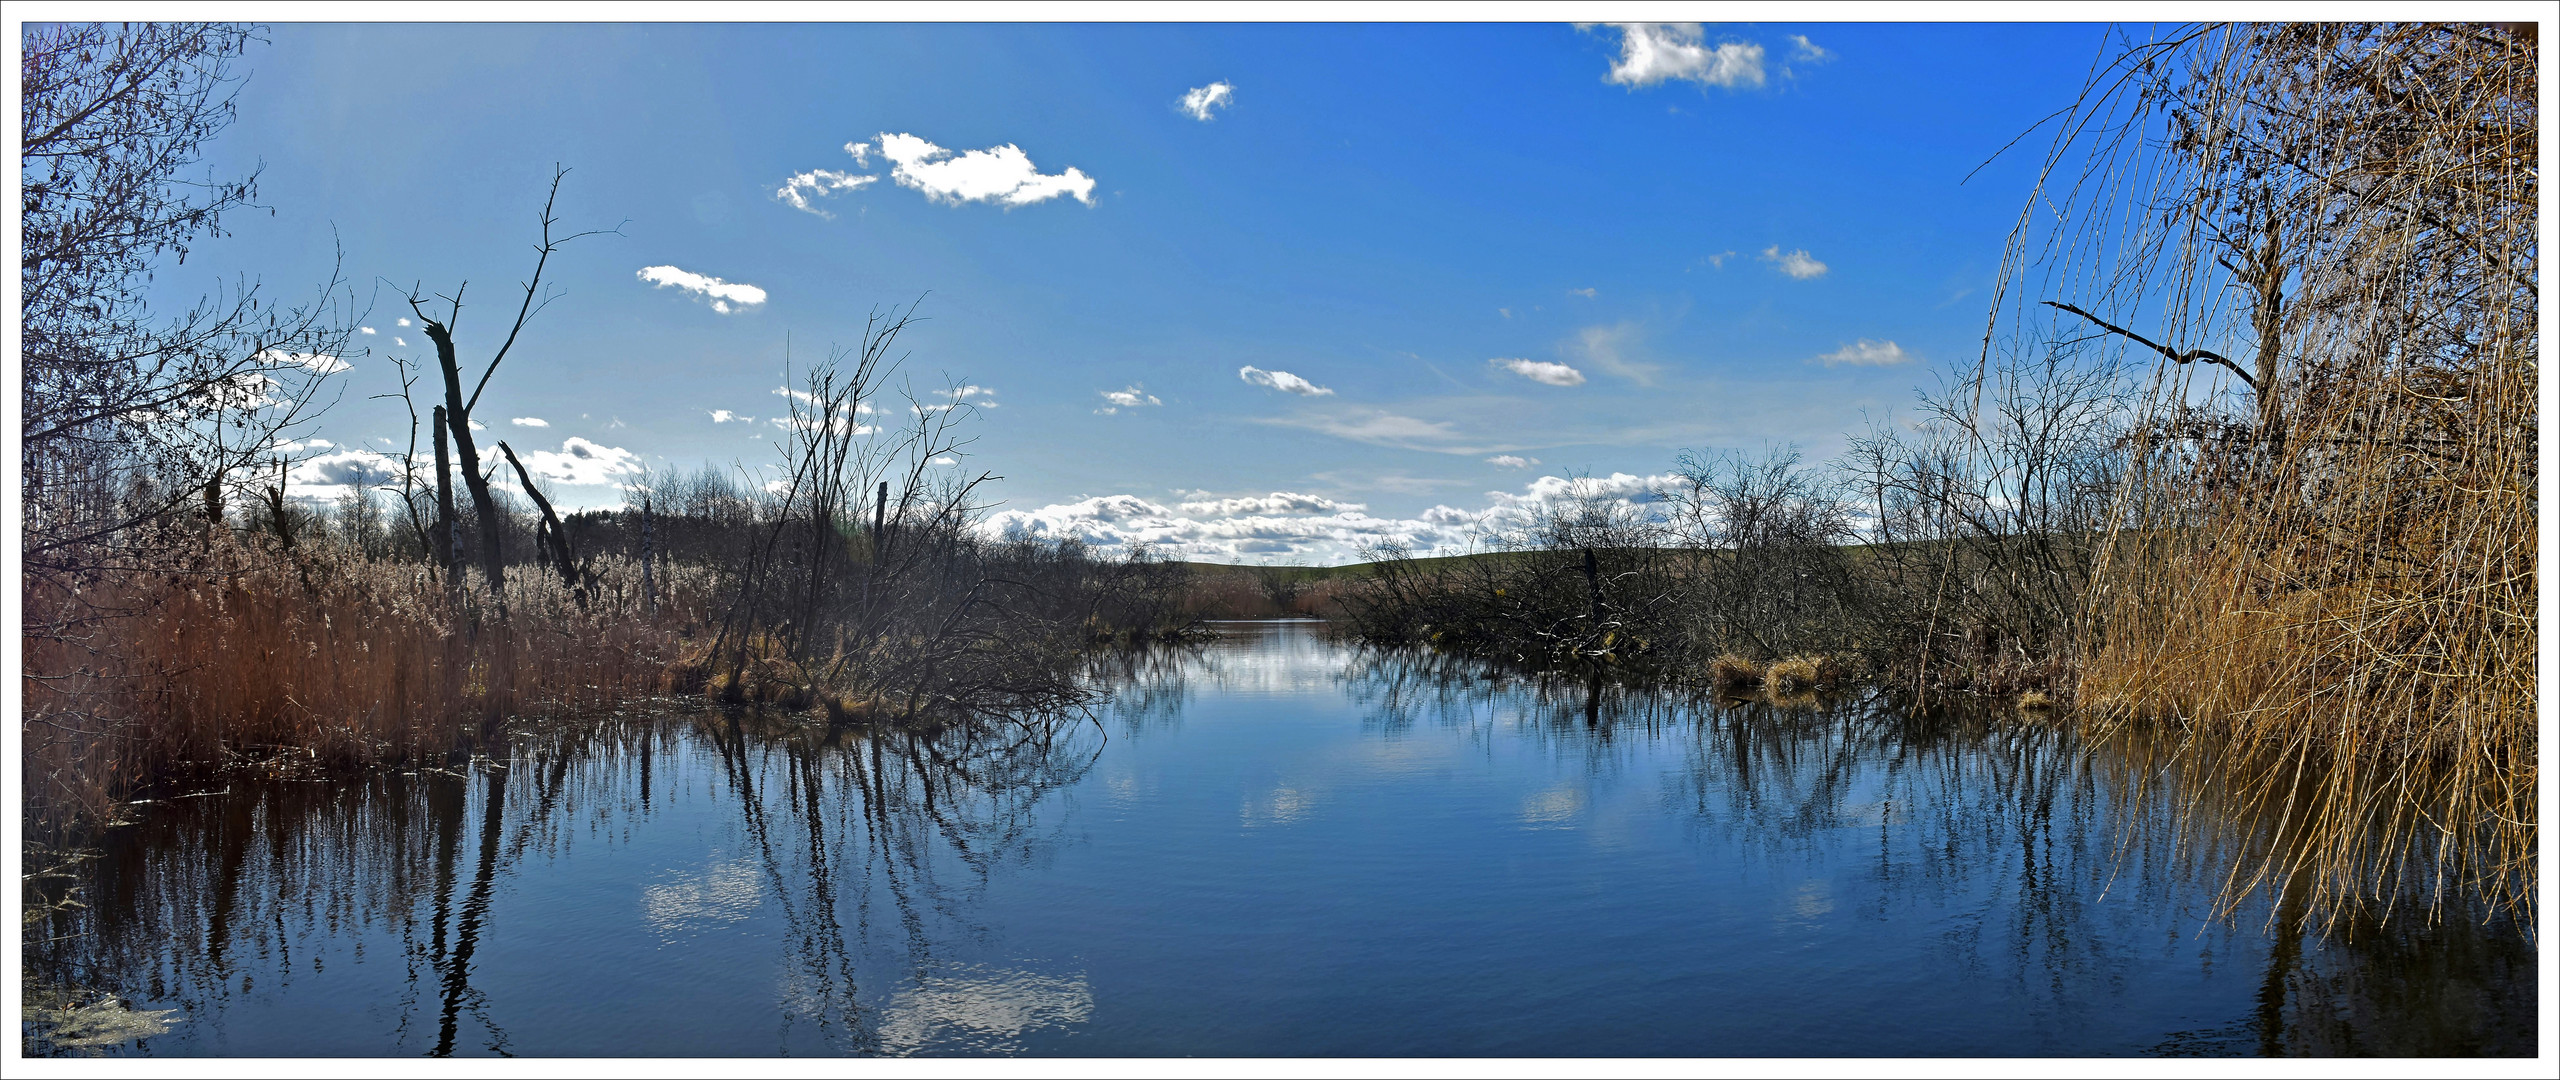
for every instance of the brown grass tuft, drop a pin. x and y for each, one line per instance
(1793, 675)
(1731, 672)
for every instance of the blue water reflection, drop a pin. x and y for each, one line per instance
(1269, 845)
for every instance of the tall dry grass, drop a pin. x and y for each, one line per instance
(313, 657)
(2324, 569)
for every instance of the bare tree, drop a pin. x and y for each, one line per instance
(457, 407)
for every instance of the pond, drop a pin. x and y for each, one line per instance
(1270, 845)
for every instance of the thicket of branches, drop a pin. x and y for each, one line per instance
(134, 416)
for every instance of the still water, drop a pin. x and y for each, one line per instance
(1271, 845)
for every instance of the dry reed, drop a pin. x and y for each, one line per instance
(2331, 587)
(313, 658)
(1731, 672)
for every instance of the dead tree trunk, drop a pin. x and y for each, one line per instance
(458, 408)
(458, 425)
(448, 538)
(2267, 317)
(558, 538)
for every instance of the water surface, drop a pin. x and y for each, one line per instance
(1270, 845)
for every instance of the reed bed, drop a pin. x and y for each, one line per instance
(2330, 582)
(314, 657)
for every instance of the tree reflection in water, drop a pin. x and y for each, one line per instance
(2066, 837)
(684, 845)
(843, 827)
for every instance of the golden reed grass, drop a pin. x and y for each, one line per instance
(314, 658)
(2338, 602)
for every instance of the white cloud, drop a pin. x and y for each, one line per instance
(721, 293)
(476, 426)
(1281, 380)
(1865, 354)
(329, 477)
(1135, 397)
(581, 462)
(842, 424)
(1511, 461)
(1278, 502)
(320, 362)
(402, 321)
(530, 421)
(1806, 51)
(367, 330)
(975, 395)
(818, 182)
(945, 459)
(998, 174)
(1198, 102)
(402, 342)
(1717, 260)
(1311, 527)
(1586, 294)
(1795, 264)
(1649, 53)
(1546, 371)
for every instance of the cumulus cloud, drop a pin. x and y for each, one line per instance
(1278, 502)
(1315, 527)
(323, 363)
(1795, 264)
(818, 182)
(328, 478)
(998, 174)
(1546, 371)
(1806, 52)
(839, 423)
(1650, 53)
(1511, 461)
(722, 294)
(974, 396)
(367, 330)
(1200, 102)
(478, 426)
(530, 421)
(1717, 260)
(806, 398)
(579, 461)
(723, 416)
(401, 321)
(1135, 397)
(1865, 354)
(1281, 380)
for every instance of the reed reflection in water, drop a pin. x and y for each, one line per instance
(1268, 845)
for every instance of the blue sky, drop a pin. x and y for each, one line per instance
(1509, 254)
